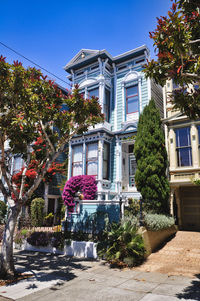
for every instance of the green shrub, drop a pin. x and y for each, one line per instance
(37, 212)
(49, 219)
(3, 211)
(122, 244)
(133, 209)
(156, 222)
(21, 235)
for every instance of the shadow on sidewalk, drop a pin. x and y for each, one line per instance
(192, 291)
(48, 267)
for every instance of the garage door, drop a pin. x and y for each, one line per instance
(190, 207)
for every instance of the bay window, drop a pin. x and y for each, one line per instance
(77, 160)
(132, 99)
(183, 147)
(92, 159)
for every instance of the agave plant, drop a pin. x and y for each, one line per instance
(122, 244)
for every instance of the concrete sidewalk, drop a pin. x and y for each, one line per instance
(56, 277)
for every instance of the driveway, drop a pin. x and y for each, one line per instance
(179, 256)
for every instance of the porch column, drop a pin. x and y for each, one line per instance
(100, 167)
(84, 158)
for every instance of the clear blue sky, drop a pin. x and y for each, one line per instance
(51, 32)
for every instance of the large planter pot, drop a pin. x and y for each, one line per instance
(153, 239)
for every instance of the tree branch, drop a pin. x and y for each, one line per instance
(193, 75)
(194, 41)
(46, 136)
(3, 189)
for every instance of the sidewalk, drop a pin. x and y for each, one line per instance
(56, 277)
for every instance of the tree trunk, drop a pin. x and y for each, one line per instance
(7, 269)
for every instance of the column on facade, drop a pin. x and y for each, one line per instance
(195, 146)
(46, 190)
(172, 149)
(123, 102)
(140, 93)
(101, 95)
(171, 202)
(84, 157)
(100, 167)
(118, 166)
(115, 96)
(69, 161)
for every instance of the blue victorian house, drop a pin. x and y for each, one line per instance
(106, 150)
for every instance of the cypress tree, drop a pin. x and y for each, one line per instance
(151, 158)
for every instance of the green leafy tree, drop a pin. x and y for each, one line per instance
(151, 158)
(177, 44)
(37, 212)
(32, 115)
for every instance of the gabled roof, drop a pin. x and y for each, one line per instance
(86, 56)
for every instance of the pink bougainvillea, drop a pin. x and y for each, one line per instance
(84, 184)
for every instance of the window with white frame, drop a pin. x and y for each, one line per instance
(92, 159)
(106, 155)
(17, 164)
(77, 160)
(106, 106)
(93, 92)
(183, 147)
(132, 99)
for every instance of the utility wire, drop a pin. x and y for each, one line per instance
(34, 63)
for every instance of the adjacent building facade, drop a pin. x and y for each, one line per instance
(106, 151)
(182, 137)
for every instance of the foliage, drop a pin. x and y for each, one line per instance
(133, 208)
(3, 211)
(156, 222)
(21, 236)
(122, 244)
(151, 158)
(177, 40)
(37, 212)
(39, 239)
(85, 184)
(49, 219)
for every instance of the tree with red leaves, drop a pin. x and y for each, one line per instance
(177, 45)
(33, 126)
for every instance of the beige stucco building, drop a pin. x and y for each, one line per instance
(182, 142)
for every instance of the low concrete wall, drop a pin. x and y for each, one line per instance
(81, 249)
(153, 239)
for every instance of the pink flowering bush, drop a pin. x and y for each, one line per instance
(85, 184)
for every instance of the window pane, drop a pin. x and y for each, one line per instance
(77, 153)
(132, 104)
(77, 169)
(93, 92)
(105, 151)
(92, 168)
(131, 91)
(92, 150)
(105, 170)
(77, 164)
(184, 156)
(183, 137)
(107, 105)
